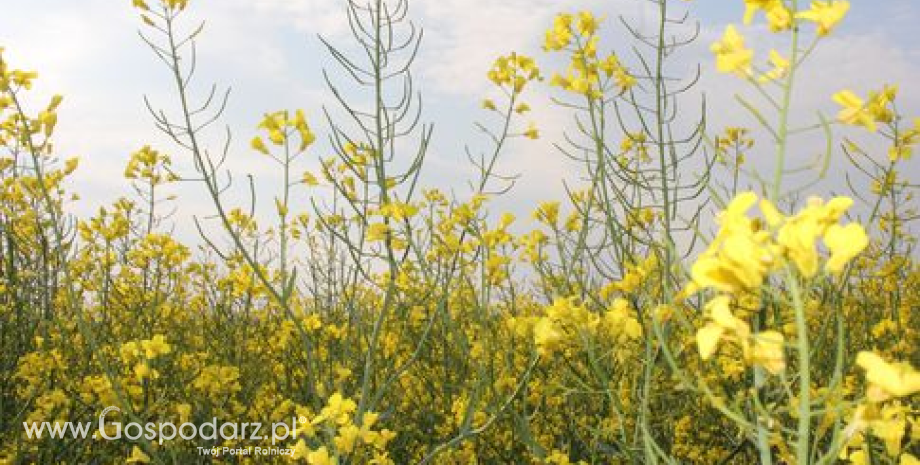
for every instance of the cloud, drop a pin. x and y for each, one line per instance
(314, 16)
(267, 50)
(862, 61)
(465, 36)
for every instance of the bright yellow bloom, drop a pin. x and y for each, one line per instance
(309, 179)
(826, 14)
(532, 132)
(888, 380)
(780, 68)
(751, 7)
(723, 323)
(768, 351)
(347, 438)
(143, 371)
(547, 212)
(778, 16)
(707, 340)
(300, 451)
(844, 243)
(377, 232)
(176, 4)
(184, 411)
(547, 336)
(731, 54)
(514, 70)
(560, 36)
(854, 110)
(739, 257)
(137, 456)
(155, 347)
(321, 456)
(587, 23)
(338, 409)
(798, 238)
(798, 234)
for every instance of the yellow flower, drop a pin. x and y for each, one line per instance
(731, 54)
(532, 132)
(338, 410)
(890, 430)
(858, 457)
(844, 243)
(798, 237)
(321, 457)
(137, 456)
(155, 347)
(547, 212)
(300, 451)
(780, 68)
(300, 125)
(854, 110)
(176, 4)
(768, 351)
(707, 340)
(826, 14)
(184, 411)
(779, 17)
(740, 257)
(560, 36)
(259, 145)
(377, 232)
(752, 6)
(723, 323)
(888, 380)
(546, 335)
(798, 234)
(309, 179)
(587, 23)
(514, 70)
(143, 371)
(347, 438)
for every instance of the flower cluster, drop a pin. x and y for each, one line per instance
(746, 250)
(588, 73)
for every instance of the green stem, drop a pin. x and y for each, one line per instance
(801, 329)
(783, 130)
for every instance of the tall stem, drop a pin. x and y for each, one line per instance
(782, 142)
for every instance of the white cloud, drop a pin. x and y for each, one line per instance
(267, 49)
(862, 62)
(315, 16)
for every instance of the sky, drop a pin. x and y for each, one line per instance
(269, 53)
